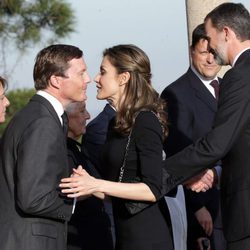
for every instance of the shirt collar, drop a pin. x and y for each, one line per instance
(237, 56)
(53, 101)
(205, 81)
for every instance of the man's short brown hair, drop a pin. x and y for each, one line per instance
(53, 60)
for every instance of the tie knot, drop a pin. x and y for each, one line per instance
(215, 85)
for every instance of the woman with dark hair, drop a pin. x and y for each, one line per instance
(125, 80)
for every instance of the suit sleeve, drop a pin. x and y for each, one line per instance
(181, 132)
(148, 139)
(42, 162)
(231, 118)
(180, 121)
(95, 137)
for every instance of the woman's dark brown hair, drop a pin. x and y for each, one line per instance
(139, 93)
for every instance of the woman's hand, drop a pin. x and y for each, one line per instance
(82, 184)
(79, 184)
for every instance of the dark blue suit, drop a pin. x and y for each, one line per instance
(95, 136)
(92, 144)
(191, 110)
(89, 227)
(229, 140)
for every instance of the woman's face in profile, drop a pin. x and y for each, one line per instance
(108, 82)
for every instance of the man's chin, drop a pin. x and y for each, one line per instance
(83, 98)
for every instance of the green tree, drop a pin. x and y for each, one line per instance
(18, 98)
(24, 23)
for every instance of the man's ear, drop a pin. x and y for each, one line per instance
(191, 53)
(124, 78)
(191, 50)
(229, 33)
(54, 82)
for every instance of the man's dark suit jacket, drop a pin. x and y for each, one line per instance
(89, 227)
(95, 136)
(229, 140)
(191, 110)
(33, 161)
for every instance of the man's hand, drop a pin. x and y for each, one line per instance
(204, 218)
(203, 244)
(201, 182)
(77, 171)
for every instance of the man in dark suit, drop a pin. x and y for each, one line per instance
(92, 143)
(228, 29)
(89, 227)
(33, 213)
(95, 136)
(191, 106)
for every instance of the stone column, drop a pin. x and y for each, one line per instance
(196, 12)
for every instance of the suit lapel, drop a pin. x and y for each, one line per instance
(48, 106)
(201, 92)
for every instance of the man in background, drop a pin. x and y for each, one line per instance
(192, 104)
(228, 29)
(92, 143)
(95, 136)
(89, 227)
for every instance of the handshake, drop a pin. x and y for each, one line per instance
(203, 181)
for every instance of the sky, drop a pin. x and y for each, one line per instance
(159, 27)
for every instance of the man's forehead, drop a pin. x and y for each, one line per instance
(77, 63)
(203, 41)
(208, 25)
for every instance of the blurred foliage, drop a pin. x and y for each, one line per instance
(18, 98)
(25, 20)
(26, 23)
